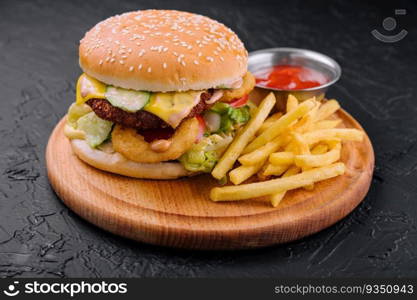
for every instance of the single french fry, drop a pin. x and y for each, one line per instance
(258, 189)
(312, 161)
(242, 173)
(309, 187)
(348, 134)
(277, 198)
(281, 158)
(243, 137)
(326, 124)
(301, 145)
(292, 103)
(327, 109)
(319, 149)
(274, 117)
(274, 170)
(333, 142)
(292, 171)
(279, 126)
(268, 122)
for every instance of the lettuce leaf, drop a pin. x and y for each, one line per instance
(203, 156)
(96, 130)
(231, 116)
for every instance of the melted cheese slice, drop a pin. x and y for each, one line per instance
(173, 107)
(88, 88)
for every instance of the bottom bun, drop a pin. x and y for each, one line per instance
(118, 164)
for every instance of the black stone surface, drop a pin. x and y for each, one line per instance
(39, 236)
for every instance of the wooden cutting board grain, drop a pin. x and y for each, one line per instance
(179, 213)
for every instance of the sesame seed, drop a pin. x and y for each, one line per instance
(209, 58)
(112, 60)
(149, 70)
(131, 69)
(100, 62)
(164, 65)
(196, 62)
(140, 67)
(121, 62)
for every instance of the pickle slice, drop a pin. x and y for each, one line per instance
(128, 100)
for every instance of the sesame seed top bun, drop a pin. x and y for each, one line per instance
(163, 50)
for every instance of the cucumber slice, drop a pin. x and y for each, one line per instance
(96, 130)
(128, 100)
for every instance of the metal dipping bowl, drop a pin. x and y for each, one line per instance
(262, 59)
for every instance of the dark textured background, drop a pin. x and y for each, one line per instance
(39, 236)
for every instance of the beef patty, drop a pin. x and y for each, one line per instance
(140, 119)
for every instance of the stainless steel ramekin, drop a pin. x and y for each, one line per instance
(266, 58)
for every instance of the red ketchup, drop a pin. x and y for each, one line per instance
(289, 77)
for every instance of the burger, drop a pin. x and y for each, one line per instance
(161, 96)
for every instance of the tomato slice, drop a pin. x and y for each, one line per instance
(239, 102)
(202, 127)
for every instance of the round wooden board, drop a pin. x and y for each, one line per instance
(179, 213)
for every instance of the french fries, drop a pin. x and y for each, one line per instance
(279, 126)
(277, 197)
(269, 122)
(264, 188)
(243, 172)
(300, 147)
(263, 152)
(243, 137)
(327, 109)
